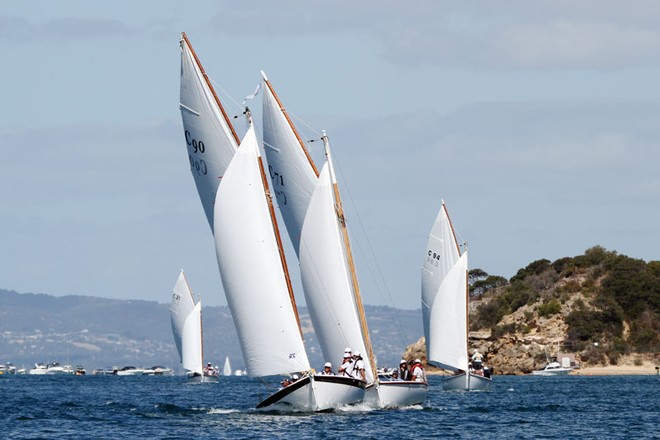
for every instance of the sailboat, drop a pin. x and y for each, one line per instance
(445, 306)
(256, 282)
(311, 209)
(186, 319)
(292, 170)
(226, 369)
(210, 137)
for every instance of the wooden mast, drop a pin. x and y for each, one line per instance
(184, 38)
(276, 229)
(349, 260)
(293, 128)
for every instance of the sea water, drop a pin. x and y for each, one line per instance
(146, 407)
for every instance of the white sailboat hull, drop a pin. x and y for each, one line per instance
(199, 378)
(396, 394)
(462, 382)
(317, 393)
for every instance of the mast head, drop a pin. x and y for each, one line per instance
(248, 115)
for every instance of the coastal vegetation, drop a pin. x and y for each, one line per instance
(604, 304)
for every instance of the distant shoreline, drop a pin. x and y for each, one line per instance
(617, 370)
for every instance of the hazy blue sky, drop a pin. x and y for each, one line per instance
(537, 122)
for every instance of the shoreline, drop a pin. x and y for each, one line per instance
(617, 370)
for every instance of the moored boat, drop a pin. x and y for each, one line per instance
(553, 369)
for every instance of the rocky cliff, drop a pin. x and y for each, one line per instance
(599, 308)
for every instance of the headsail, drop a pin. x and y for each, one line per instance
(291, 169)
(331, 292)
(186, 319)
(444, 297)
(210, 137)
(252, 268)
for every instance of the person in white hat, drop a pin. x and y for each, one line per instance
(346, 367)
(417, 371)
(358, 367)
(327, 370)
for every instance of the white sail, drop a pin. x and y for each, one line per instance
(226, 370)
(186, 319)
(210, 138)
(444, 297)
(290, 167)
(252, 268)
(326, 276)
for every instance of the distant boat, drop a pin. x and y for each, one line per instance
(210, 137)
(226, 370)
(7, 369)
(158, 371)
(256, 282)
(53, 368)
(444, 306)
(186, 320)
(129, 370)
(553, 369)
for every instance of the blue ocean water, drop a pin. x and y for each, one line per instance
(146, 407)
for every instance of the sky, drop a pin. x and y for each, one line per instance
(537, 123)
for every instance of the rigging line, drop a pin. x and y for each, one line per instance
(380, 279)
(226, 94)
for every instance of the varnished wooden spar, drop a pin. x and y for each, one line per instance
(293, 128)
(351, 264)
(271, 210)
(184, 37)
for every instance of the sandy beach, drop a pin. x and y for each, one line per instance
(617, 370)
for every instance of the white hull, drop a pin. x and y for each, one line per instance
(320, 393)
(130, 372)
(553, 369)
(201, 379)
(555, 372)
(396, 394)
(461, 382)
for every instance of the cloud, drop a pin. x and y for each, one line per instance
(540, 35)
(20, 30)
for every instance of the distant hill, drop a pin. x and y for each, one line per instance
(99, 333)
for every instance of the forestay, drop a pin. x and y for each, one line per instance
(209, 135)
(326, 276)
(291, 170)
(444, 297)
(252, 270)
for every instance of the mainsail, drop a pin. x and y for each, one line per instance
(186, 319)
(329, 281)
(253, 269)
(444, 296)
(210, 137)
(292, 171)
